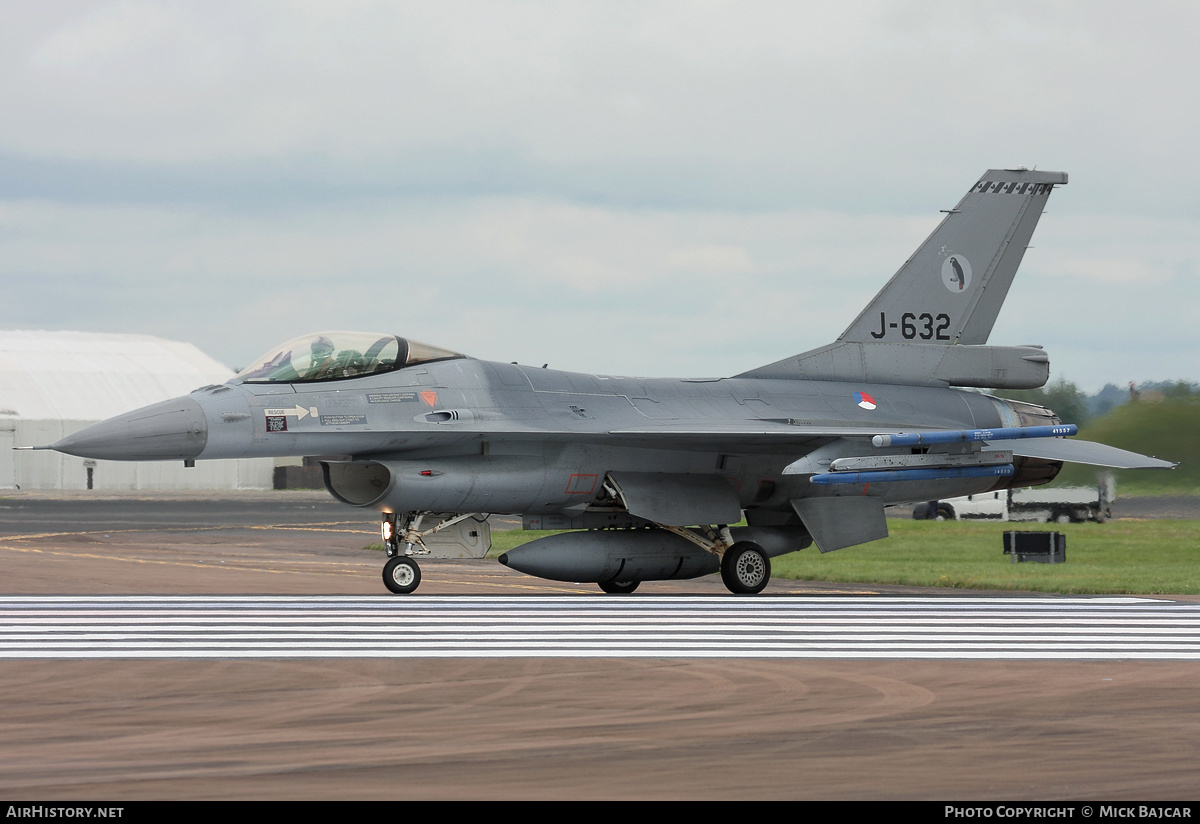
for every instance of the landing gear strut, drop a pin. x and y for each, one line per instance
(745, 566)
(401, 574)
(432, 535)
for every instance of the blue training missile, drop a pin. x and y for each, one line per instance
(972, 435)
(894, 475)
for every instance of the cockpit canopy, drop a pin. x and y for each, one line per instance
(331, 356)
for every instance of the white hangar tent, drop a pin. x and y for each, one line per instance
(56, 383)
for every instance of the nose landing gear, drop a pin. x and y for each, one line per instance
(429, 534)
(401, 573)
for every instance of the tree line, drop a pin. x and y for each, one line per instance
(1073, 405)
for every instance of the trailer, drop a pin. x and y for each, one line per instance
(1061, 505)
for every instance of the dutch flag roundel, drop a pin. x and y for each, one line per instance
(864, 400)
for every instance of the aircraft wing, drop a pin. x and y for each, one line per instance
(781, 434)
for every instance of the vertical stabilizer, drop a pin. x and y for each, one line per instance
(951, 290)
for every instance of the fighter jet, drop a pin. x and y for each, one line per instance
(650, 476)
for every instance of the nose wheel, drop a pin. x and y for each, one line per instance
(401, 574)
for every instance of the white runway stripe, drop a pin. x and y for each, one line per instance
(571, 626)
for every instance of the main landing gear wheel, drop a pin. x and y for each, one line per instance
(401, 574)
(745, 569)
(619, 587)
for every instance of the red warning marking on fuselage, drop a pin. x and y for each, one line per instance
(581, 484)
(429, 396)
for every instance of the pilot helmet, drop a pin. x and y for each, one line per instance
(322, 348)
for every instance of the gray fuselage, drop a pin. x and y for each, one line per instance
(494, 437)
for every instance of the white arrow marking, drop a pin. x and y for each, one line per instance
(299, 411)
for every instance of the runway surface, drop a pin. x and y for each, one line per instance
(1099, 628)
(213, 605)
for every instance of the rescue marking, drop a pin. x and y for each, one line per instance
(276, 419)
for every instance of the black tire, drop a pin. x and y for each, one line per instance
(945, 512)
(619, 587)
(745, 569)
(401, 575)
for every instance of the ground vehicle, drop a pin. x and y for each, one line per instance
(1062, 505)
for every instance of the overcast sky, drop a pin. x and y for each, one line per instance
(691, 188)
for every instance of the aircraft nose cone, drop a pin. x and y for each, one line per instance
(174, 429)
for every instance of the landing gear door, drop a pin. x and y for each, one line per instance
(469, 538)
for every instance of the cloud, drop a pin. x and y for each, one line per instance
(696, 188)
(750, 105)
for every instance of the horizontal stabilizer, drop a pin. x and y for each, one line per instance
(836, 523)
(916, 364)
(1086, 452)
